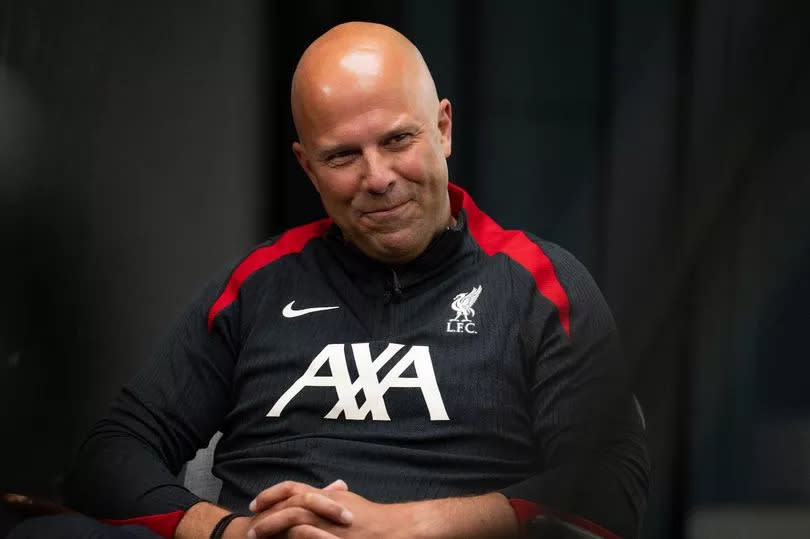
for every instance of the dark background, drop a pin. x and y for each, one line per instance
(145, 145)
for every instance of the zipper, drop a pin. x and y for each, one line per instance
(391, 295)
(393, 290)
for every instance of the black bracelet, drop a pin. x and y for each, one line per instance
(219, 529)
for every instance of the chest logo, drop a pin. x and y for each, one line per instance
(463, 305)
(367, 381)
(289, 312)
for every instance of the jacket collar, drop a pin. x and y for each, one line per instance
(448, 247)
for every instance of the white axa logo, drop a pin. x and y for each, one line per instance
(463, 305)
(367, 381)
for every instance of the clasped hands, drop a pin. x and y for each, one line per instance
(292, 510)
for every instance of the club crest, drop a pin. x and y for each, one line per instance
(463, 305)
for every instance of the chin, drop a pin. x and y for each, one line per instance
(398, 253)
(388, 254)
(388, 250)
(395, 247)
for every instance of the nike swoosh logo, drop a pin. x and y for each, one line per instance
(289, 312)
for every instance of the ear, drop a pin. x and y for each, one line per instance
(303, 160)
(445, 122)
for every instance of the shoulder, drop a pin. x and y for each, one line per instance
(290, 242)
(287, 243)
(542, 268)
(588, 312)
(569, 271)
(229, 285)
(560, 280)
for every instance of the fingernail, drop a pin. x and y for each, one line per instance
(252, 507)
(251, 534)
(346, 516)
(338, 482)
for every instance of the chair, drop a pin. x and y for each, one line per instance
(196, 475)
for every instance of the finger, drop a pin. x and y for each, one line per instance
(281, 491)
(281, 521)
(340, 484)
(305, 531)
(320, 504)
(276, 493)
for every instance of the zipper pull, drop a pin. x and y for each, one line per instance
(394, 295)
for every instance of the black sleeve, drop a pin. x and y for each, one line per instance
(127, 466)
(587, 424)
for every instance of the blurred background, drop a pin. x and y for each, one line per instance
(146, 145)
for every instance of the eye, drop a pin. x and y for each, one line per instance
(398, 140)
(340, 158)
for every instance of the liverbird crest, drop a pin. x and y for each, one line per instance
(463, 304)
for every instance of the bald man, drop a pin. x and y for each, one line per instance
(404, 368)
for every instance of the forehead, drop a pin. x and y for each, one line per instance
(336, 86)
(351, 109)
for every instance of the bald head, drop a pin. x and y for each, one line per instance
(374, 139)
(357, 57)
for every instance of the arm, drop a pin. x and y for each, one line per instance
(489, 515)
(126, 469)
(588, 426)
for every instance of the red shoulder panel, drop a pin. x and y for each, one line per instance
(513, 243)
(290, 242)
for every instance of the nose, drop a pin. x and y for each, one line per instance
(378, 178)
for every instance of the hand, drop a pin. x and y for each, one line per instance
(200, 519)
(486, 516)
(366, 519)
(306, 517)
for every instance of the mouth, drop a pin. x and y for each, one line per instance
(385, 212)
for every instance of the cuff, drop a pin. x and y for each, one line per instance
(526, 511)
(162, 524)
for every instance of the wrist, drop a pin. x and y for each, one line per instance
(397, 521)
(237, 528)
(487, 516)
(421, 520)
(201, 518)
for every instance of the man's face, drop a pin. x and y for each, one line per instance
(377, 156)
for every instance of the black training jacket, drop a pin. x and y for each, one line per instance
(489, 363)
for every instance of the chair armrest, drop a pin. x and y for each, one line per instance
(549, 526)
(28, 506)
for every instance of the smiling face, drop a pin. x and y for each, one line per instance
(374, 139)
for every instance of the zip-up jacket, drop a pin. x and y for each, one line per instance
(489, 363)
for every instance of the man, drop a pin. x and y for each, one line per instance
(404, 369)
